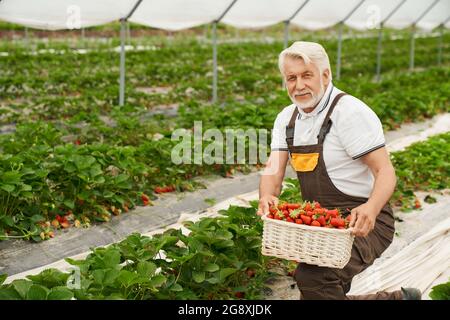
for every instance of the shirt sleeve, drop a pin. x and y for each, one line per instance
(359, 128)
(278, 142)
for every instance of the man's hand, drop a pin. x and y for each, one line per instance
(264, 203)
(363, 219)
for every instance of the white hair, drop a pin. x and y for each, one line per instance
(309, 52)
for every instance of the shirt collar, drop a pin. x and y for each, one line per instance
(323, 103)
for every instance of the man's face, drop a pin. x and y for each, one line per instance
(304, 83)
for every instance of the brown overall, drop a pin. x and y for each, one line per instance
(329, 283)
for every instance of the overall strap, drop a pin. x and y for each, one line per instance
(290, 128)
(326, 125)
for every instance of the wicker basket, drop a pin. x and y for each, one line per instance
(323, 247)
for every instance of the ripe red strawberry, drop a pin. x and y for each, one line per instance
(65, 224)
(306, 219)
(317, 205)
(270, 216)
(333, 213)
(279, 215)
(289, 219)
(321, 220)
(159, 190)
(293, 206)
(307, 206)
(298, 221)
(337, 222)
(417, 204)
(315, 223)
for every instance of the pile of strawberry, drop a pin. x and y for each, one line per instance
(165, 189)
(308, 213)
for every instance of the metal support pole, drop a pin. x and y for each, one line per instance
(380, 39)
(441, 33)
(286, 33)
(413, 31)
(339, 50)
(128, 33)
(122, 62)
(214, 99)
(123, 27)
(411, 48)
(215, 22)
(341, 25)
(27, 39)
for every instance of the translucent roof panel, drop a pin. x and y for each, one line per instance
(261, 13)
(320, 14)
(408, 14)
(182, 14)
(178, 14)
(63, 14)
(436, 16)
(371, 13)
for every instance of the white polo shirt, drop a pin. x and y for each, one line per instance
(356, 131)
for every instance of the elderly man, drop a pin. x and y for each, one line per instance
(336, 145)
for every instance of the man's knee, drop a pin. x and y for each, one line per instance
(310, 277)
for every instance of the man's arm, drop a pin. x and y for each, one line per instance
(271, 180)
(364, 216)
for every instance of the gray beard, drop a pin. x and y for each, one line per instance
(315, 99)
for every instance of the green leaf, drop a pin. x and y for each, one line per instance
(212, 267)
(110, 276)
(50, 278)
(158, 280)
(441, 292)
(9, 221)
(3, 278)
(7, 187)
(22, 286)
(176, 287)
(98, 276)
(225, 272)
(37, 292)
(126, 277)
(11, 177)
(69, 203)
(213, 280)
(146, 269)
(111, 258)
(60, 293)
(198, 276)
(9, 294)
(37, 218)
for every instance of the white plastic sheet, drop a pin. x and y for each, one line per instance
(182, 14)
(176, 15)
(63, 14)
